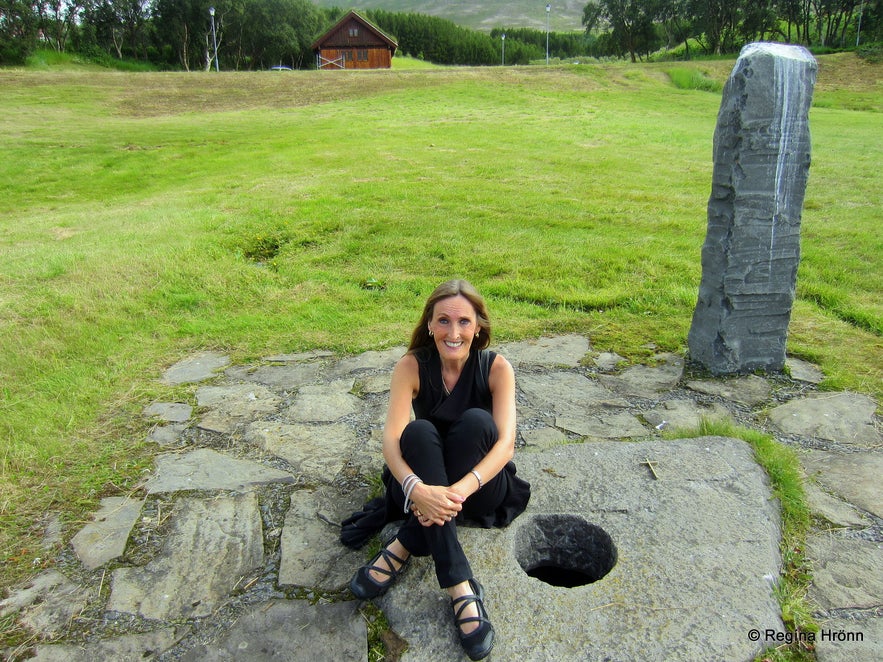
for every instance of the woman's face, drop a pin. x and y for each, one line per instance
(454, 324)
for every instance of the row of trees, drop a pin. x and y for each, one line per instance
(640, 27)
(170, 34)
(441, 41)
(256, 34)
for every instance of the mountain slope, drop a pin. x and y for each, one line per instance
(565, 15)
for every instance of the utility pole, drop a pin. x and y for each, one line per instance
(548, 11)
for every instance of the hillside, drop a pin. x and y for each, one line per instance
(566, 15)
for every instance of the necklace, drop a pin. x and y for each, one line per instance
(444, 384)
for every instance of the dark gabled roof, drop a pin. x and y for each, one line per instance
(317, 44)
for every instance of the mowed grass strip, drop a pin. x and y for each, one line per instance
(146, 216)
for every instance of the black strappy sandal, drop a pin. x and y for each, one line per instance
(480, 641)
(365, 587)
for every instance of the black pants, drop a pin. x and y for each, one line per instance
(444, 460)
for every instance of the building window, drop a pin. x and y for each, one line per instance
(363, 55)
(354, 32)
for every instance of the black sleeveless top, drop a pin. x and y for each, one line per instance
(471, 390)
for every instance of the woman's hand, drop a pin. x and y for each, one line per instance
(435, 504)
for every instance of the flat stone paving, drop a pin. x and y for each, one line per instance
(231, 551)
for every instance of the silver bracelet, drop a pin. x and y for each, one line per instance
(408, 486)
(478, 478)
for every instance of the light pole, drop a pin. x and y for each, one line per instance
(211, 11)
(548, 11)
(503, 39)
(858, 34)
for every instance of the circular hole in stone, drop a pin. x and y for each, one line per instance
(564, 550)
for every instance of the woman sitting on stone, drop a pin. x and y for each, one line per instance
(453, 462)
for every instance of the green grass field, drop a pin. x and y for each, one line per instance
(147, 215)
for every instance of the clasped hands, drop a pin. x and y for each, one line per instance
(435, 504)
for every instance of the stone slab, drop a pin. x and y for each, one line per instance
(849, 639)
(608, 361)
(803, 371)
(374, 383)
(847, 418)
(171, 412)
(167, 435)
(853, 476)
(298, 357)
(46, 583)
(105, 537)
(205, 469)
(647, 381)
(684, 414)
(278, 377)
(291, 630)
(234, 406)
(319, 452)
(325, 403)
(58, 601)
(836, 511)
(564, 393)
(846, 572)
(373, 360)
(749, 390)
(307, 559)
(553, 352)
(178, 583)
(196, 368)
(697, 553)
(543, 438)
(604, 425)
(129, 648)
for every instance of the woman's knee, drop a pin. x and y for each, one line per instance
(418, 434)
(478, 423)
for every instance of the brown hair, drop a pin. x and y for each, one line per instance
(420, 336)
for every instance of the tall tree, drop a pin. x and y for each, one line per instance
(631, 23)
(19, 30)
(717, 21)
(58, 19)
(120, 26)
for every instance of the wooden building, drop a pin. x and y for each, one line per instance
(354, 43)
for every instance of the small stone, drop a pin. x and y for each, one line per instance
(197, 368)
(105, 538)
(803, 371)
(171, 412)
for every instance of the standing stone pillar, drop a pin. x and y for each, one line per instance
(752, 245)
